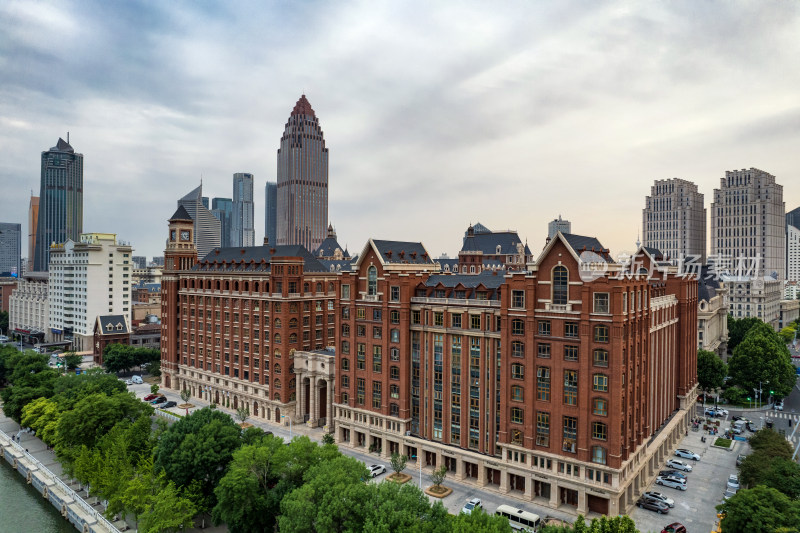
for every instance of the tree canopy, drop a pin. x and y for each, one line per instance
(738, 328)
(762, 357)
(711, 370)
(122, 357)
(759, 510)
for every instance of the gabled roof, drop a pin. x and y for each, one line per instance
(490, 280)
(578, 244)
(488, 243)
(253, 255)
(112, 325)
(181, 214)
(399, 252)
(708, 284)
(328, 247)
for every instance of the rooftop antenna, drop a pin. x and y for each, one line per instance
(67, 137)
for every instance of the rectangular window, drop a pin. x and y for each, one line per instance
(543, 350)
(361, 356)
(601, 303)
(517, 327)
(571, 387)
(543, 383)
(360, 390)
(376, 394)
(600, 407)
(544, 327)
(517, 371)
(377, 358)
(394, 316)
(600, 383)
(517, 415)
(415, 317)
(345, 292)
(570, 353)
(361, 313)
(600, 358)
(542, 429)
(475, 321)
(601, 333)
(455, 320)
(377, 314)
(438, 319)
(518, 299)
(394, 294)
(570, 434)
(599, 431)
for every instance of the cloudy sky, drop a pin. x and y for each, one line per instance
(436, 114)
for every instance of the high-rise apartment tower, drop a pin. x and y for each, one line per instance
(60, 201)
(748, 222)
(302, 180)
(10, 249)
(674, 220)
(271, 211)
(206, 226)
(556, 225)
(222, 208)
(242, 229)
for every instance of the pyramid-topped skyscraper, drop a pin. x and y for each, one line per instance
(302, 216)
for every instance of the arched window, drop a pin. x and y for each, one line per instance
(560, 285)
(292, 383)
(276, 384)
(277, 369)
(293, 338)
(306, 287)
(277, 396)
(277, 354)
(246, 286)
(330, 286)
(345, 398)
(372, 281)
(516, 436)
(277, 338)
(291, 369)
(319, 287)
(236, 286)
(293, 323)
(277, 322)
(516, 393)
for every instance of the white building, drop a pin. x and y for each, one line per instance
(556, 225)
(755, 297)
(792, 253)
(748, 224)
(712, 315)
(28, 306)
(674, 220)
(88, 278)
(791, 291)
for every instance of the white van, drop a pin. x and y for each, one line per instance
(137, 380)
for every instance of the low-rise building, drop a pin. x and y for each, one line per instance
(712, 314)
(790, 311)
(28, 307)
(758, 297)
(7, 286)
(109, 329)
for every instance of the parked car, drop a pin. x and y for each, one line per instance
(675, 527)
(779, 405)
(672, 473)
(751, 427)
(671, 482)
(128, 382)
(733, 482)
(653, 495)
(376, 470)
(653, 505)
(167, 405)
(687, 454)
(137, 379)
(3, 338)
(150, 397)
(716, 411)
(729, 493)
(474, 503)
(160, 399)
(739, 459)
(736, 418)
(679, 465)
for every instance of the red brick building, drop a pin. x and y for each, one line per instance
(566, 382)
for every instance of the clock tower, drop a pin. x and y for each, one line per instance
(180, 255)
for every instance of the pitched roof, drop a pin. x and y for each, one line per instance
(708, 284)
(63, 146)
(303, 107)
(340, 265)
(490, 280)
(112, 324)
(328, 247)
(250, 258)
(181, 214)
(402, 252)
(579, 244)
(195, 194)
(488, 243)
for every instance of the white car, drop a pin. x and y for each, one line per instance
(687, 454)
(679, 465)
(779, 406)
(376, 470)
(3, 338)
(474, 503)
(663, 498)
(728, 494)
(733, 482)
(671, 482)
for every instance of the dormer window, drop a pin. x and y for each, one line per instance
(372, 281)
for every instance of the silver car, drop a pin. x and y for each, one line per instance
(653, 495)
(733, 482)
(679, 465)
(687, 454)
(671, 482)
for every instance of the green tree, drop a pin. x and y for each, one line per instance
(242, 414)
(169, 511)
(118, 358)
(398, 462)
(438, 475)
(154, 389)
(30, 378)
(328, 439)
(784, 475)
(759, 510)
(787, 334)
(72, 360)
(737, 329)
(760, 358)
(198, 448)
(479, 522)
(711, 370)
(42, 415)
(71, 388)
(4, 322)
(771, 443)
(391, 507)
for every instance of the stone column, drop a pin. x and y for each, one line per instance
(481, 474)
(504, 484)
(300, 396)
(554, 490)
(459, 473)
(313, 396)
(582, 501)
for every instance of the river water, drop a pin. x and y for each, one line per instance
(23, 510)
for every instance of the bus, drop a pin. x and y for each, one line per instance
(520, 520)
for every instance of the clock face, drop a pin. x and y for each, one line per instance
(185, 235)
(172, 235)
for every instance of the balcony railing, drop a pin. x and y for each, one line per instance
(454, 301)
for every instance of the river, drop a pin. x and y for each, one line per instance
(24, 510)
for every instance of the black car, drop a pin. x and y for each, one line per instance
(160, 399)
(653, 505)
(167, 405)
(751, 428)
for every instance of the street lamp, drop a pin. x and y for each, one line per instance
(290, 426)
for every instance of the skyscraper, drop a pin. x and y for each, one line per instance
(60, 201)
(271, 211)
(748, 222)
(10, 249)
(556, 225)
(674, 220)
(33, 220)
(302, 180)
(222, 208)
(206, 225)
(242, 228)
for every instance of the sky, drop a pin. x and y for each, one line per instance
(436, 114)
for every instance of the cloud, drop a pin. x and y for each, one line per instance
(435, 115)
